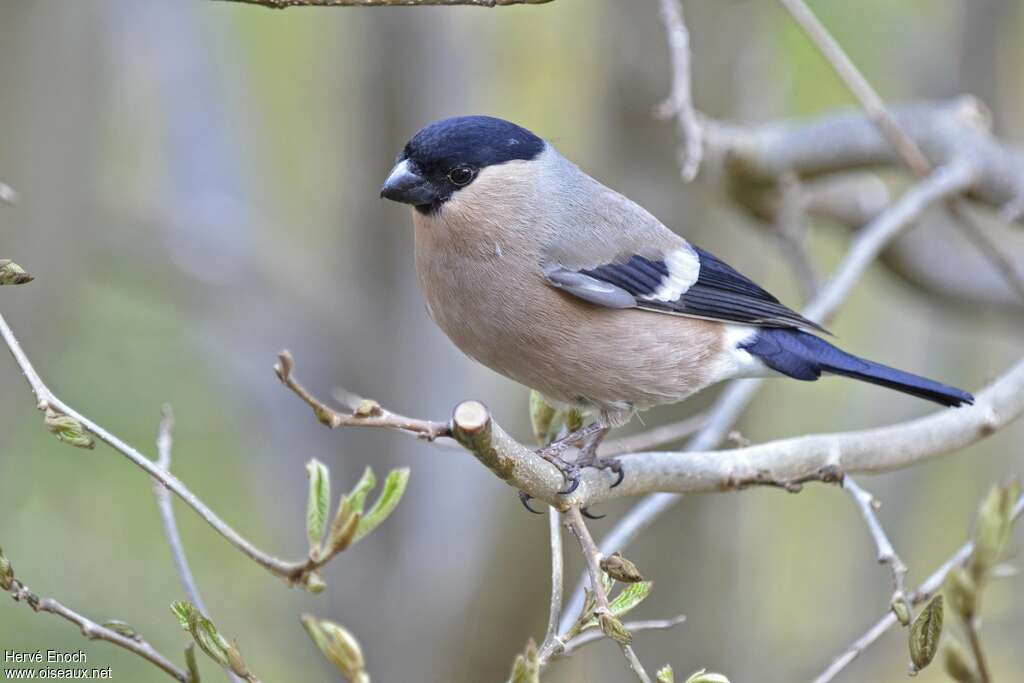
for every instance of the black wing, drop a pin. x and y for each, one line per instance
(718, 293)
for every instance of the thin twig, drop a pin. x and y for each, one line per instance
(367, 414)
(901, 141)
(653, 438)
(866, 247)
(285, 4)
(593, 635)
(293, 572)
(868, 505)
(923, 593)
(552, 643)
(971, 628)
(163, 500)
(574, 520)
(8, 195)
(164, 444)
(679, 104)
(93, 631)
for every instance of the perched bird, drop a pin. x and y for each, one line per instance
(543, 274)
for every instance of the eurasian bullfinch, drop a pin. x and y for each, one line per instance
(543, 274)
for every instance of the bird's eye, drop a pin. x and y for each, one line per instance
(461, 175)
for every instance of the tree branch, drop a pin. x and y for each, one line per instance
(94, 631)
(293, 572)
(905, 146)
(552, 643)
(679, 104)
(574, 520)
(886, 553)
(164, 442)
(285, 4)
(923, 593)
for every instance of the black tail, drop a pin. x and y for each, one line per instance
(803, 356)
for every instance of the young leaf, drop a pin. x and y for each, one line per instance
(191, 664)
(666, 675)
(614, 629)
(358, 494)
(703, 677)
(68, 429)
(339, 647)
(209, 639)
(631, 596)
(526, 667)
(343, 528)
(957, 662)
(394, 487)
(925, 633)
(6, 572)
(992, 530)
(13, 274)
(319, 503)
(542, 417)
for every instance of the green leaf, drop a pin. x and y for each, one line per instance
(362, 488)
(542, 417)
(526, 667)
(343, 528)
(338, 645)
(614, 629)
(992, 530)
(6, 572)
(122, 628)
(191, 664)
(394, 487)
(666, 675)
(962, 593)
(925, 633)
(209, 639)
(319, 503)
(957, 662)
(68, 429)
(13, 274)
(631, 596)
(703, 677)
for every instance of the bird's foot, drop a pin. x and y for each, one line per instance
(569, 469)
(592, 459)
(588, 439)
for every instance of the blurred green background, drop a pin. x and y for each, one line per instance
(198, 190)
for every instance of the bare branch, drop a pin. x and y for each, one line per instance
(94, 631)
(594, 635)
(900, 140)
(574, 520)
(367, 414)
(285, 4)
(653, 438)
(8, 195)
(923, 593)
(164, 442)
(293, 572)
(679, 104)
(552, 643)
(163, 501)
(886, 553)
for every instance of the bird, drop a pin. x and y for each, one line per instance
(538, 271)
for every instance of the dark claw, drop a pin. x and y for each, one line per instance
(573, 484)
(586, 513)
(618, 469)
(525, 498)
